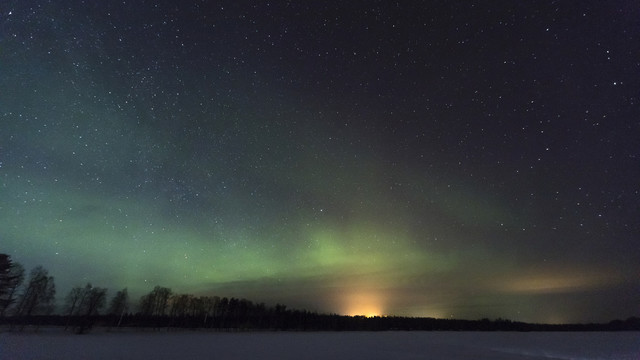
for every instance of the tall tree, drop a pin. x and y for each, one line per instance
(83, 304)
(96, 300)
(11, 277)
(155, 303)
(210, 303)
(180, 305)
(38, 295)
(73, 301)
(119, 304)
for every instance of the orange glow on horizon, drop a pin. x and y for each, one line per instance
(557, 282)
(367, 304)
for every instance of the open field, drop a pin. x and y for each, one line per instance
(99, 344)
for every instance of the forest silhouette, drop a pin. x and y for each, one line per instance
(30, 304)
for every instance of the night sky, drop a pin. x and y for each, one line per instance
(441, 158)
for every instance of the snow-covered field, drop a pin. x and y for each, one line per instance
(54, 344)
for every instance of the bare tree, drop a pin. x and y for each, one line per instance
(96, 300)
(209, 304)
(84, 303)
(73, 302)
(180, 305)
(38, 295)
(119, 304)
(155, 303)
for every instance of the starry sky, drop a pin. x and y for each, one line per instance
(442, 158)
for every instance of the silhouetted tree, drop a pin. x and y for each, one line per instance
(155, 303)
(96, 300)
(38, 295)
(84, 304)
(209, 306)
(119, 304)
(221, 312)
(73, 301)
(11, 277)
(179, 305)
(193, 311)
(197, 306)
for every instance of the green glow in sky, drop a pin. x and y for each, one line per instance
(316, 155)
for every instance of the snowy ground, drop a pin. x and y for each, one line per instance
(54, 344)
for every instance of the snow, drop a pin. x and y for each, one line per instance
(99, 344)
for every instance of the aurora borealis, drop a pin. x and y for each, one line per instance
(445, 159)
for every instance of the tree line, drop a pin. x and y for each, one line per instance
(31, 303)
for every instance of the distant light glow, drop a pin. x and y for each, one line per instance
(389, 179)
(363, 303)
(558, 281)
